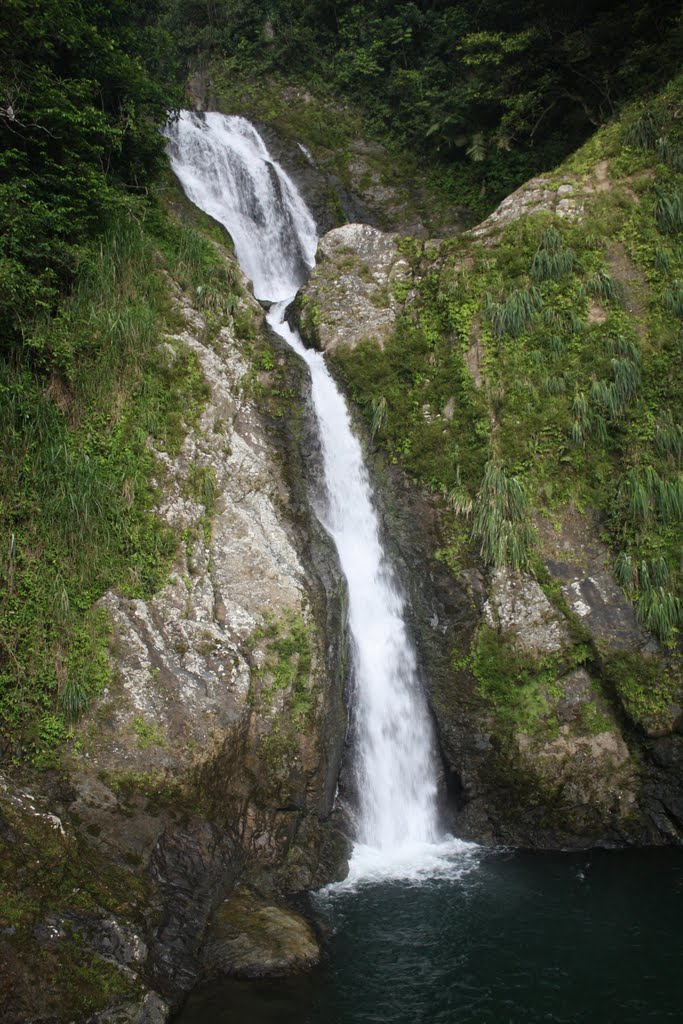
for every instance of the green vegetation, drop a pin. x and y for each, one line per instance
(148, 733)
(43, 871)
(82, 89)
(649, 693)
(500, 519)
(522, 688)
(578, 329)
(286, 665)
(485, 94)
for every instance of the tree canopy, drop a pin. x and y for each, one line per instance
(83, 87)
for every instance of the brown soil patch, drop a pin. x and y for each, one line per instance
(632, 277)
(596, 314)
(474, 356)
(601, 177)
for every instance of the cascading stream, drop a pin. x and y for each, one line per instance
(226, 170)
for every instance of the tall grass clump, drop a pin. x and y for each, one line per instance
(638, 489)
(200, 268)
(673, 299)
(458, 497)
(500, 524)
(91, 387)
(514, 314)
(379, 415)
(552, 260)
(670, 153)
(668, 439)
(587, 423)
(660, 611)
(663, 259)
(647, 495)
(668, 210)
(601, 285)
(644, 132)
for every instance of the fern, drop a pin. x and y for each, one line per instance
(476, 150)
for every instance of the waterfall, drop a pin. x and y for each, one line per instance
(226, 170)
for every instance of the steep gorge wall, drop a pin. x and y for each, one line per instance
(559, 714)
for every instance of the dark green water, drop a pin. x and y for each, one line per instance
(588, 939)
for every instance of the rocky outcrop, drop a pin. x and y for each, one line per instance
(251, 938)
(358, 286)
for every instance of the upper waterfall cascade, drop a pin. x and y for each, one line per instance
(226, 170)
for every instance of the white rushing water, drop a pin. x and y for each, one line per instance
(225, 169)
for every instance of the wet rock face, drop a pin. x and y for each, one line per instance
(353, 292)
(207, 670)
(328, 199)
(151, 1009)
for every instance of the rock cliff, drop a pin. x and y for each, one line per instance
(213, 754)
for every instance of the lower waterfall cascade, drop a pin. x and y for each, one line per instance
(225, 169)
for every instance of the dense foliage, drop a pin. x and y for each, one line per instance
(511, 87)
(83, 87)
